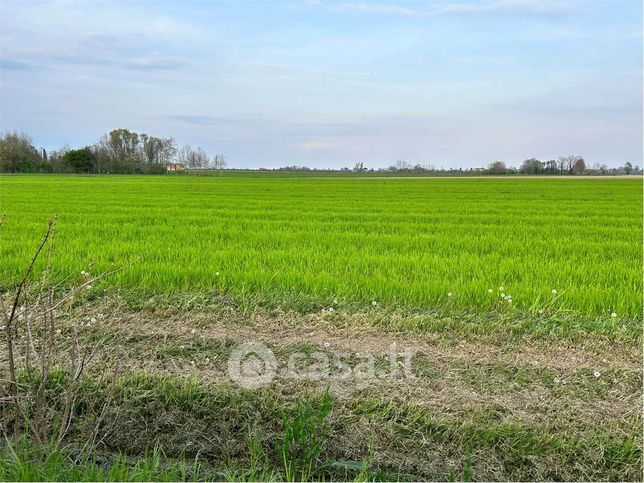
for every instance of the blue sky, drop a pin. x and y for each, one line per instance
(328, 83)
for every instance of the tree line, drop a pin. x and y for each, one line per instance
(126, 152)
(120, 151)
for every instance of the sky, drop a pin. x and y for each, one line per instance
(329, 83)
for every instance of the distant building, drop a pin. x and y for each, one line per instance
(176, 167)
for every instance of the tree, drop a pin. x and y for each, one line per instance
(193, 158)
(578, 165)
(157, 150)
(497, 167)
(628, 167)
(401, 165)
(532, 166)
(121, 144)
(218, 162)
(550, 167)
(80, 160)
(565, 164)
(17, 153)
(359, 167)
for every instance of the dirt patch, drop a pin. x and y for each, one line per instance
(575, 386)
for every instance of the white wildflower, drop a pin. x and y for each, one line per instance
(554, 291)
(374, 303)
(556, 380)
(489, 290)
(92, 320)
(613, 315)
(500, 289)
(326, 344)
(58, 331)
(335, 301)
(193, 331)
(331, 309)
(449, 294)
(216, 274)
(597, 373)
(207, 360)
(503, 295)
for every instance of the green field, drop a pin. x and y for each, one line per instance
(546, 387)
(403, 242)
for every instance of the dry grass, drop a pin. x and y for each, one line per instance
(522, 408)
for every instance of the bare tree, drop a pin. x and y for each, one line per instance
(218, 162)
(193, 158)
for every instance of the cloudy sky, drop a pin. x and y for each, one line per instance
(329, 83)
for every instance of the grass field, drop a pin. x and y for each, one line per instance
(545, 387)
(414, 243)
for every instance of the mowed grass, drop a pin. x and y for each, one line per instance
(403, 242)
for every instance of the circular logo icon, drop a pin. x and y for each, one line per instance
(252, 365)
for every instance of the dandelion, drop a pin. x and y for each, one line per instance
(597, 373)
(500, 289)
(613, 315)
(554, 291)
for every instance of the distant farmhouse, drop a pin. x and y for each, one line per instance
(176, 167)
